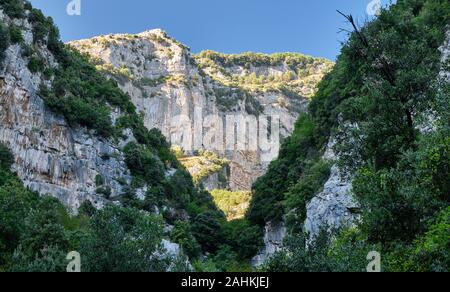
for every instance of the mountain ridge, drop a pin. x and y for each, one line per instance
(166, 80)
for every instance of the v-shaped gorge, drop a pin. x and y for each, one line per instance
(225, 115)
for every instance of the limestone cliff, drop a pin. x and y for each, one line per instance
(168, 83)
(50, 156)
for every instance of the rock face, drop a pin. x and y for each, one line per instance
(335, 206)
(188, 97)
(274, 235)
(51, 157)
(445, 50)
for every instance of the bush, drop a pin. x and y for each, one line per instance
(13, 8)
(4, 41)
(300, 194)
(233, 204)
(41, 25)
(144, 164)
(105, 191)
(123, 240)
(36, 64)
(299, 256)
(15, 34)
(245, 239)
(182, 235)
(399, 202)
(206, 228)
(6, 158)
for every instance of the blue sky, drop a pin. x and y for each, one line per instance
(229, 26)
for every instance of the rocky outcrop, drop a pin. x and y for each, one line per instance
(274, 234)
(335, 206)
(189, 96)
(50, 156)
(445, 50)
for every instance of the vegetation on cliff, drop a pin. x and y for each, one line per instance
(37, 232)
(292, 72)
(375, 103)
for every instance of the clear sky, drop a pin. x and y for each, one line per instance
(229, 26)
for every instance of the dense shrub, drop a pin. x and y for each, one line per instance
(206, 228)
(123, 239)
(300, 194)
(244, 238)
(13, 8)
(182, 234)
(36, 64)
(233, 204)
(4, 41)
(144, 164)
(15, 34)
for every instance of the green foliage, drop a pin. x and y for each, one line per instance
(41, 25)
(300, 194)
(36, 64)
(13, 8)
(144, 164)
(182, 234)
(378, 95)
(283, 173)
(15, 34)
(301, 257)
(225, 260)
(87, 209)
(249, 72)
(233, 204)
(387, 98)
(105, 191)
(99, 180)
(37, 233)
(206, 227)
(153, 82)
(244, 238)
(4, 41)
(347, 252)
(81, 94)
(6, 158)
(85, 98)
(48, 260)
(123, 240)
(432, 251)
(401, 200)
(203, 165)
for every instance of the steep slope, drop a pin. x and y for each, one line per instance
(50, 156)
(369, 162)
(189, 96)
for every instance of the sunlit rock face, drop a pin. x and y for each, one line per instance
(167, 82)
(50, 156)
(334, 207)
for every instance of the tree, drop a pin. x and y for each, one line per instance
(182, 235)
(207, 230)
(245, 239)
(4, 41)
(123, 240)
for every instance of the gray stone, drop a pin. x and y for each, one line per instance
(274, 235)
